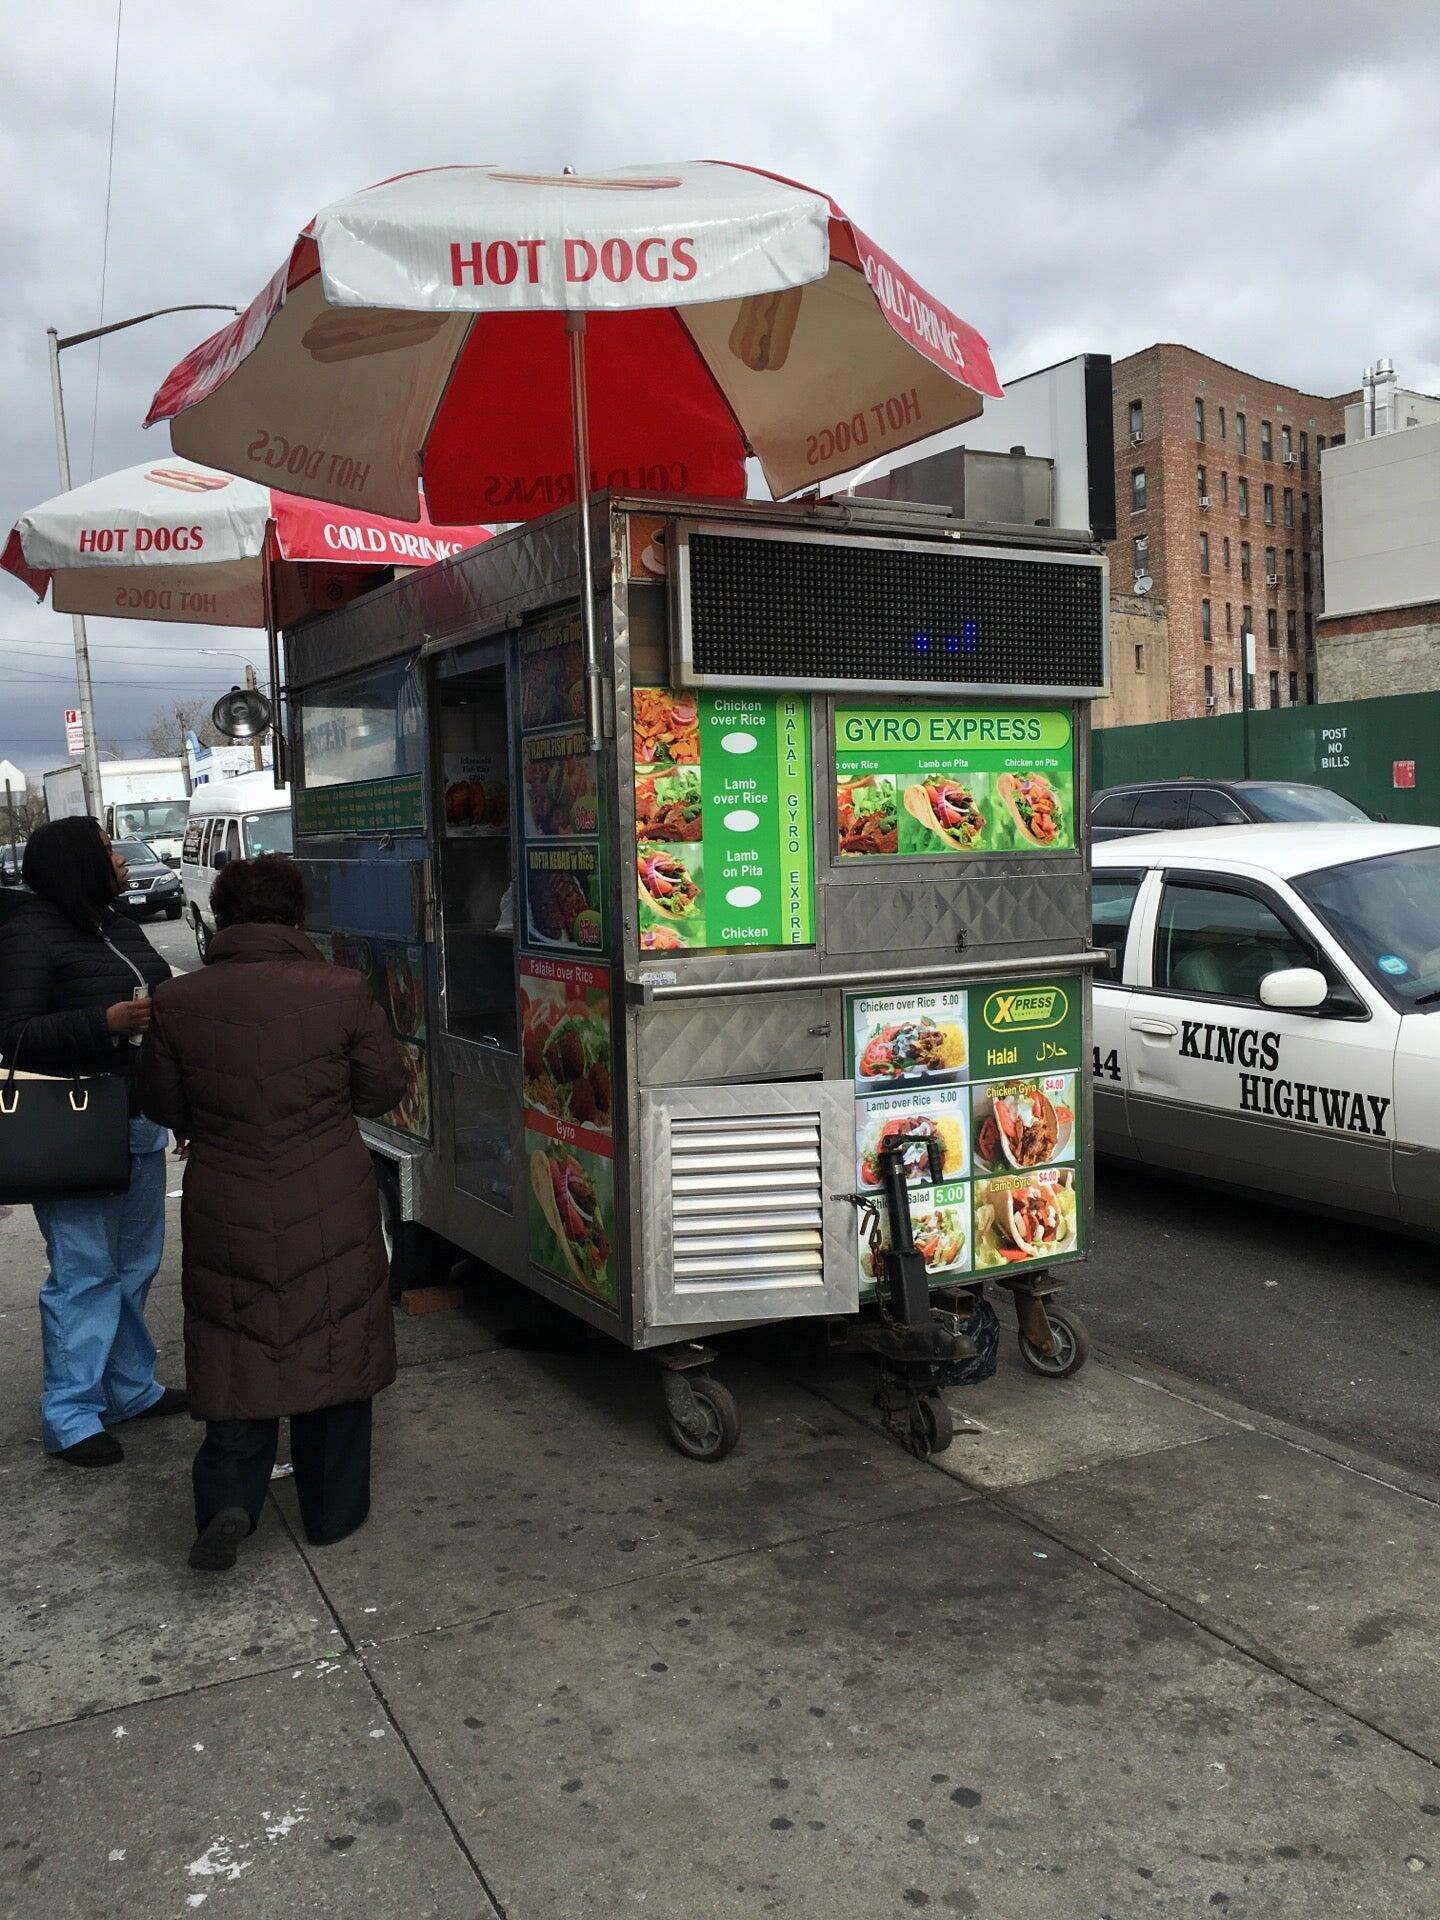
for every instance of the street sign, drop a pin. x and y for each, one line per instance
(74, 732)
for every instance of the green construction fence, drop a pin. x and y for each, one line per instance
(1360, 748)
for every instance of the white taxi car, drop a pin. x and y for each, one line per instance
(1272, 1020)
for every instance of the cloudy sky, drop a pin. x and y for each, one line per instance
(1256, 180)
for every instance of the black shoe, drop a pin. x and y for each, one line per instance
(172, 1400)
(96, 1450)
(219, 1539)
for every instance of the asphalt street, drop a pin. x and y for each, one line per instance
(174, 941)
(1331, 1326)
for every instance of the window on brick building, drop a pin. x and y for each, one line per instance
(1225, 552)
(1309, 689)
(1266, 450)
(1224, 489)
(1209, 685)
(1294, 689)
(1305, 574)
(1142, 553)
(1247, 620)
(1199, 419)
(1220, 436)
(1272, 572)
(1230, 682)
(1137, 420)
(1243, 495)
(1274, 689)
(1305, 513)
(1290, 635)
(1200, 490)
(1304, 453)
(1309, 632)
(1290, 568)
(1269, 505)
(1229, 620)
(1245, 562)
(1205, 621)
(1137, 490)
(1287, 510)
(1204, 553)
(1286, 452)
(1239, 433)
(1319, 445)
(1272, 627)
(1139, 656)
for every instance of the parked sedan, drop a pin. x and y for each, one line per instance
(1161, 806)
(151, 886)
(1272, 1020)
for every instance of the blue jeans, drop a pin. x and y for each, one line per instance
(99, 1357)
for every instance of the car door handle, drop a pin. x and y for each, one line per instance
(1159, 1029)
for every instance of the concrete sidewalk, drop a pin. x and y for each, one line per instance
(1127, 1652)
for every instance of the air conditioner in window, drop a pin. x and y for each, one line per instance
(1209, 703)
(1204, 500)
(1137, 438)
(1290, 460)
(1272, 580)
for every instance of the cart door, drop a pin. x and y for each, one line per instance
(745, 1196)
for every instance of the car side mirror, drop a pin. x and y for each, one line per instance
(1295, 990)
(222, 857)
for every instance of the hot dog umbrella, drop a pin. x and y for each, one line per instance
(420, 331)
(178, 541)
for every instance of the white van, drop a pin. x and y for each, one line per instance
(229, 820)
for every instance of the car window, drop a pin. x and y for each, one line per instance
(207, 851)
(1275, 802)
(232, 840)
(1112, 903)
(268, 833)
(1162, 807)
(133, 851)
(1113, 811)
(1386, 913)
(1211, 941)
(194, 834)
(1211, 809)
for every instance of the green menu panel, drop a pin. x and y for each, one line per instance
(722, 820)
(991, 1074)
(936, 783)
(365, 806)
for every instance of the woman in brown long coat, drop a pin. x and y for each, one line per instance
(261, 1061)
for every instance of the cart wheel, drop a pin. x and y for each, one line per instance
(937, 1423)
(714, 1425)
(1070, 1351)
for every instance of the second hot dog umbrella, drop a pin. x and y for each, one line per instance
(422, 331)
(180, 542)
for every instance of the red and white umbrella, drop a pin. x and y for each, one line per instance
(184, 542)
(417, 333)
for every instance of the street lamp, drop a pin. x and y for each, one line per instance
(89, 751)
(251, 682)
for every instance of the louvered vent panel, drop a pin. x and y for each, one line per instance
(745, 1196)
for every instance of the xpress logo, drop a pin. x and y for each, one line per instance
(1030, 1007)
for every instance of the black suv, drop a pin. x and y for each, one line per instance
(1158, 806)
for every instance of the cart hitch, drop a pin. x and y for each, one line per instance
(912, 1338)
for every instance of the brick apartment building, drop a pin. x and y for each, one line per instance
(1217, 503)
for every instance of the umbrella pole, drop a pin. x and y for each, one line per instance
(272, 641)
(580, 441)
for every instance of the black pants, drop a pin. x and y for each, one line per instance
(330, 1451)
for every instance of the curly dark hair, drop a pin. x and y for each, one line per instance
(67, 864)
(268, 891)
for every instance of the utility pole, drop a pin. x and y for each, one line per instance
(257, 742)
(89, 748)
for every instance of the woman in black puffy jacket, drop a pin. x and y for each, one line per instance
(75, 980)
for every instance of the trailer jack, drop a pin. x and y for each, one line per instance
(911, 1338)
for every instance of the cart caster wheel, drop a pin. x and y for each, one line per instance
(937, 1423)
(1071, 1347)
(709, 1427)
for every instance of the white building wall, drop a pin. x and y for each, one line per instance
(1381, 503)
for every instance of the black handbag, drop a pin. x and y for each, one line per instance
(62, 1136)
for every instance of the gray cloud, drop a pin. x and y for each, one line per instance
(1256, 180)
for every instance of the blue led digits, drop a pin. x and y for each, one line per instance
(922, 643)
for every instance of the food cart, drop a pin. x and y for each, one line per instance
(822, 896)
